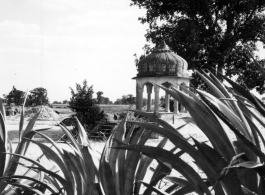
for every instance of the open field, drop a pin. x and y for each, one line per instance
(111, 108)
(108, 108)
(54, 131)
(63, 110)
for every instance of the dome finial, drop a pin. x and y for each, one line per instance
(162, 45)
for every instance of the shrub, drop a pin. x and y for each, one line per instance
(82, 103)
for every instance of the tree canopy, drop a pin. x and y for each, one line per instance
(126, 100)
(38, 96)
(99, 96)
(82, 103)
(210, 34)
(56, 102)
(15, 96)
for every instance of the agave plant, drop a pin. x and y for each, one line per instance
(10, 162)
(78, 168)
(69, 176)
(230, 164)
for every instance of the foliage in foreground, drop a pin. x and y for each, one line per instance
(228, 164)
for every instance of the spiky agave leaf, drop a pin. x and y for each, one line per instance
(2, 109)
(35, 181)
(91, 167)
(123, 163)
(247, 142)
(105, 173)
(242, 126)
(71, 138)
(253, 116)
(249, 178)
(60, 179)
(187, 148)
(21, 122)
(11, 165)
(144, 164)
(214, 89)
(26, 187)
(78, 172)
(2, 146)
(13, 162)
(82, 137)
(246, 94)
(84, 166)
(3, 140)
(156, 190)
(132, 161)
(118, 134)
(68, 182)
(167, 157)
(161, 171)
(230, 183)
(177, 180)
(210, 127)
(220, 91)
(161, 122)
(60, 158)
(231, 104)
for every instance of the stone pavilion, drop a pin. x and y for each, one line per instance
(162, 67)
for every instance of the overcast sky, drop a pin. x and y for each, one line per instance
(55, 44)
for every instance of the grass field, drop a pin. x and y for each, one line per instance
(108, 108)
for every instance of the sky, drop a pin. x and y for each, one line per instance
(55, 44)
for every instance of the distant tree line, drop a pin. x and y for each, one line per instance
(128, 100)
(63, 102)
(37, 96)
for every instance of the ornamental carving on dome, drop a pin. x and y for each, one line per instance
(162, 62)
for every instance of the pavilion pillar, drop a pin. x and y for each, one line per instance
(149, 101)
(156, 89)
(167, 102)
(136, 98)
(139, 98)
(176, 104)
(182, 109)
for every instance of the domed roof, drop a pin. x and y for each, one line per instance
(162, 62)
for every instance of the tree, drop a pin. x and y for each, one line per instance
(65, 102)
(118, 102)
(55, 102)
(126, 100)
(15, 96)
(130, 99)
(99, 96)
(163, 103)
(38, 96)
(82, 103)
(210, 34)
(105, 100)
